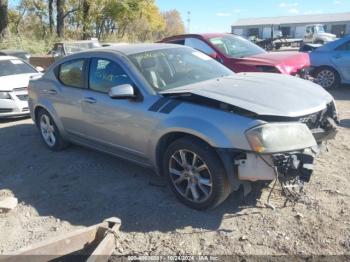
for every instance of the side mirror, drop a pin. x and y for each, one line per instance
(122, 92)
(40, 69)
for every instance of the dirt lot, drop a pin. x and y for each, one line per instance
(60, 192)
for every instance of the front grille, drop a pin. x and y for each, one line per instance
(20, 89)
(318, 120)
(313, 121)
(6, 110)
(22, 97)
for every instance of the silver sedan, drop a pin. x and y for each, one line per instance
(172, 108)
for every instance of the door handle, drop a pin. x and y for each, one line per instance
(89, 100)
(50, 91)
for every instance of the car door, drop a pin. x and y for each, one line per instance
(341, 59)
(66, 95)
(118, 126)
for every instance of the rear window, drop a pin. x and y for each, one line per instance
(15, 67)
(71, 73)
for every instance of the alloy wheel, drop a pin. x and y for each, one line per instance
(190, 176)
(47, 130)
(326, 78)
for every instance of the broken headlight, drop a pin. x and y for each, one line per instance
(280, 137)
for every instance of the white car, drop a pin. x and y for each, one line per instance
(14, 77)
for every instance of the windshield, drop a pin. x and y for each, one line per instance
(236, 46)
(319, 29)
(170, 68)
(15, 67)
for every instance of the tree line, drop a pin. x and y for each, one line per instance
(127, 20)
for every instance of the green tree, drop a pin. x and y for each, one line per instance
(174, 24)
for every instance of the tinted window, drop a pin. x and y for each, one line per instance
(71, 73)
(15, 67)
(105, 74)
(199, 45)
(177, 42)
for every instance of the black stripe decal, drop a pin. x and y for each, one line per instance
(157, 105)
(170, 106)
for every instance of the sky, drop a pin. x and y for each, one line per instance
(219, 15)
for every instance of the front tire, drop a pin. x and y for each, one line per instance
(327, 77)
(49, 132)
(195, 174)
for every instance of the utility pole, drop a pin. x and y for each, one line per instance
(188, 21)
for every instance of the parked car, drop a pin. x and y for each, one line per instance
(65, 48)
(17, 53)
(241, 55)
(62, 49)
(309, 47)
(175, 109)
(112, 44)
(331, 63)
(316, 34)
(14, 77)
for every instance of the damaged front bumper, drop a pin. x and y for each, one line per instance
(255, 167)
(283, 148)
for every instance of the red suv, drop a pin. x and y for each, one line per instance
(241, 55)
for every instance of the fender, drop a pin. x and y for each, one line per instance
(207, 131)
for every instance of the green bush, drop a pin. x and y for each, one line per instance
(33, 46)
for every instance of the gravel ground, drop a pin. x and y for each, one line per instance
(60, 192)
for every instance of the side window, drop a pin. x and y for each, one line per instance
(105, 74)
(199, 45)
(178, 42)
(72, 73)
(344, 47)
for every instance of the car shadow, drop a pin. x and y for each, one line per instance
(341, 93)
(85, 187)
(12, 119)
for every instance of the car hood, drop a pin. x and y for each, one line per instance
(7, 83)
(328, 35)
(262, 93)
(288, 62)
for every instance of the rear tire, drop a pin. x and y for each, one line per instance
(49, 132)
(327, 77)
(195, 174)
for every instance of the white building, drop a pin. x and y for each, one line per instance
(292, 26)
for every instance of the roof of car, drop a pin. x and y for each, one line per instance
(2, 58)
(204, 35)
(77, 41)
(129, 49)
(6, 51)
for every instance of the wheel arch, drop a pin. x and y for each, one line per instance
(166, 140)
(317, 68)
(225, 158)
(52, 112)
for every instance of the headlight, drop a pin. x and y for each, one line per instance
(280, 137)
(5, 95)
